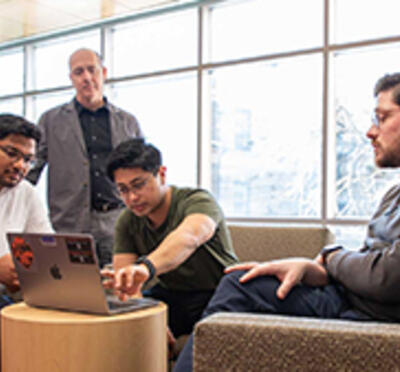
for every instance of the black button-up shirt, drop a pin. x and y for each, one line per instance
(97, 134)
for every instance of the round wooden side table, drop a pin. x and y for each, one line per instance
(43, 340)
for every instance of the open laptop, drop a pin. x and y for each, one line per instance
(61, 271)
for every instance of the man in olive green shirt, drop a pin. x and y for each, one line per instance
(178, 235)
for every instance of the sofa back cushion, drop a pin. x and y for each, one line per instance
(262, 243)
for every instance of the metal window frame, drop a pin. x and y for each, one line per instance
(200, 68)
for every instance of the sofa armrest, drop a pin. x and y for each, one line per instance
(249, 342)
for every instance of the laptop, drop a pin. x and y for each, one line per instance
(61, 271)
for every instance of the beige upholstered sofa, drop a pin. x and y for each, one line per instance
(247, 342)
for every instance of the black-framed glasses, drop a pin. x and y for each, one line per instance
(378, 118)
(15, 155)
(136, 187)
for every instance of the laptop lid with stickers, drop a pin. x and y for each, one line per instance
(61, 271)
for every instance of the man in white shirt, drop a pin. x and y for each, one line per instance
(20, 206)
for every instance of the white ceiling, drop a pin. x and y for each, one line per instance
(23, 18)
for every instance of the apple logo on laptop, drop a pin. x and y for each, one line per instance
(55, 272)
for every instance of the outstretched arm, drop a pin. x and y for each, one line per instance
(192, 232)
(179, 244)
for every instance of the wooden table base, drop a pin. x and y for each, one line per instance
(41, 340)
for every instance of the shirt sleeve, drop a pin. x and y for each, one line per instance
(374, 271)
(200, 201)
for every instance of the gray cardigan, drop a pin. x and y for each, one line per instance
(371, 276)
(63, 148)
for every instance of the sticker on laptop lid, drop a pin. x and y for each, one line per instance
(48, 240)
(79, 251)
(22, 252)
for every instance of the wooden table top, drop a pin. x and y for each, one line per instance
(22, 312)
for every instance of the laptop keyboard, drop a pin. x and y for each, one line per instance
(118, 304)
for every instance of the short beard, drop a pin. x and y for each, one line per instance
(8, 184)
(389, 161)
(5, 183)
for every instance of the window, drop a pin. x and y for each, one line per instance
(51, 59)
(353, 21)
(359, 185)
(11, 106)
(11, 72)
(258, 27)
(266, 104)
(266, 138)
(44, 102)
(164, 42)
(166, 111)
(350, 236)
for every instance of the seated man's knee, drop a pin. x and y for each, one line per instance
(231, 278)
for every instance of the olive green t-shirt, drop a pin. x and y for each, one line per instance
(204, 268)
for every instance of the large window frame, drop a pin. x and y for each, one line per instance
(200, 68)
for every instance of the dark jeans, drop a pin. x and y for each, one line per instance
(5, 301)
(102, 229)
(184, 308)
(259, 296)
(104, 252)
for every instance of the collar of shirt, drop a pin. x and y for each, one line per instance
(79, 108)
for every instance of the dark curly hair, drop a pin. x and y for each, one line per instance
(134, 153)
(13, 124)
(388, 82)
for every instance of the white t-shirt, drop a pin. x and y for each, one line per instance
(21, 210)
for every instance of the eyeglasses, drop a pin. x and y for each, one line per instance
(136, 187)
(379, 118)
(15, 155)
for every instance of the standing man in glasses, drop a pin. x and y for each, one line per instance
(20, 207)
(77, 138)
